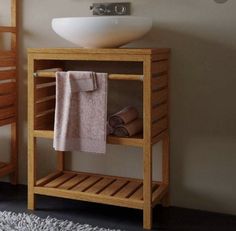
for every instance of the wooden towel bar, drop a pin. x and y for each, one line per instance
(52, 74)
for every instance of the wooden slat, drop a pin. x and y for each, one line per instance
(159, 97)
(44, 106)
(48, 178)
(7, 169)
(44, 121)
(46, 133)
(86, 184)
(7, 54)
(59, 180)
(39, 80)
(101, 52)
(138, 195)
(45, 92)
(114, 187)
(7, 62)
(6, 121)
(159, 57)
(159, 82)
(112, 177)
(83, 196)
(159, 67)
(73, 181)
(9, 29)
(46, 113)
(7, 100)
(7, 88)
(43, 133)
(46, 99)
(2, 164)
(128, 190)
(159, 137)
(7, 112)
(100, 185)
(136, 141)
(159, 126)
(159, 111)
(10, 74)
(159, 193)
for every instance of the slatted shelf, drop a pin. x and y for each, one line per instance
(120, 191)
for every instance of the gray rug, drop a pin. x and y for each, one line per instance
(10, 221)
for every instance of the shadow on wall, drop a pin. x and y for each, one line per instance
(203, 128)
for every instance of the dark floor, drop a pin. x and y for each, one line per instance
(13, 198)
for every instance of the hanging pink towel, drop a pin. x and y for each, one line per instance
(81, 112)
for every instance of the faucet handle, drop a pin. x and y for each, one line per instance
(120, 8)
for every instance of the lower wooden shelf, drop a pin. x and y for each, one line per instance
(136, 140)
(6, 168)
(120, 191)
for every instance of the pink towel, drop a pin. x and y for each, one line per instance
(81, 112)
(124, 116)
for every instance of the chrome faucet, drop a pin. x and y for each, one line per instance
(120, 8)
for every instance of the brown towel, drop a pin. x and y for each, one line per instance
(110, 129)
(124, 116)
(80, 116)
(130, 129)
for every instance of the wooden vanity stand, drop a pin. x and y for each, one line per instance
(151, 68)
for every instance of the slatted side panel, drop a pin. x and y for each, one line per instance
(45, 89)
(160, 94)
(8, 88)
(106, 186)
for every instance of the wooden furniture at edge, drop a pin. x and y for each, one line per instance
(151, 66)
(8, 93)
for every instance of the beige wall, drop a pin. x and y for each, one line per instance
(203, 128)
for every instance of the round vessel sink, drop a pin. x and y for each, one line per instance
(101, 32)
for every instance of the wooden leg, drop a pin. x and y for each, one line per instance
(31, 172)
(14, 153)
(147, 188)
(60, 161)
(166, 167)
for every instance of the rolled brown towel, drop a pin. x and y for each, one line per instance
(124, 116)
(110, 129)
(129, 129)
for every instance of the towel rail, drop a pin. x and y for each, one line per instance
(52, 74)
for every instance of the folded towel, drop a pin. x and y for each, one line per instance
(124, 116)
(130, 129)
(110, 129)
(80, 116)
(82, 81)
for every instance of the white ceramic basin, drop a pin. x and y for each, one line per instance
(101, 32)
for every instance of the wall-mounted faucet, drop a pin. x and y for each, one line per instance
(113, 8)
